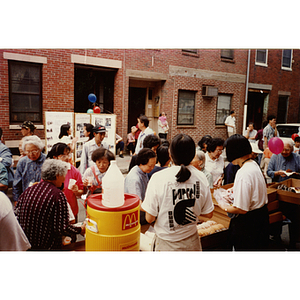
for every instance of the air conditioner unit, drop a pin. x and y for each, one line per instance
(209, 91)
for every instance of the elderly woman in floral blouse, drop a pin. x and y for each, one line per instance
(29, 167)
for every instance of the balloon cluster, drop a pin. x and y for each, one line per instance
(96, 109)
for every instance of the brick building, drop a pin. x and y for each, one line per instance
(196, 88)
(274, 85)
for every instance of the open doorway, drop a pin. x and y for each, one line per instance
(96, 80)
(255, 110)
(137, 100)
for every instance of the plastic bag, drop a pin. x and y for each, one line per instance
(225, 197)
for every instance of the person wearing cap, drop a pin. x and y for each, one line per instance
(27, 129)
(90, 146)
(249, 227)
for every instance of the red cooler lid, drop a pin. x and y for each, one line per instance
(95, 201)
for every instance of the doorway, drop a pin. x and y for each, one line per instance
(99, 81)
(137, 100)
(255, 110)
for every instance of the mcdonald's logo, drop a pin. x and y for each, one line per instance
(130, 220)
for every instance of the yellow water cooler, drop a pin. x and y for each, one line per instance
(113, 229)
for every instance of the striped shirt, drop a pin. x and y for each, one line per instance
(43, 215)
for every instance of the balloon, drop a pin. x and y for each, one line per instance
(92, 98)
(294, 135)
(89, 111)
(96, 110)
(276, 145)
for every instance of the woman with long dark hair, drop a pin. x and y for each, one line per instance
(176, 197)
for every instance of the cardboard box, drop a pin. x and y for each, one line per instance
(286, 196)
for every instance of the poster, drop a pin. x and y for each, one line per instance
(53, 121)
(109, 121)
(80, 120)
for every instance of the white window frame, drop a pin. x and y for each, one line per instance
(287, 68)
(260, 63)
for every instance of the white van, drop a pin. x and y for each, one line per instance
(287, 130)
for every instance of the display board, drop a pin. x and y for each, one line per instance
(109, 121)
(53, 121)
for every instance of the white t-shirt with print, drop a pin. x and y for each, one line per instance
(177, 205)
(249, 187)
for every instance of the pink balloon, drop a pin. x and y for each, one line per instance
(276, 145)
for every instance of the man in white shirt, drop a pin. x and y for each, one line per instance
(250, 133)
(143, 124)
(89, 147)
(230, 123)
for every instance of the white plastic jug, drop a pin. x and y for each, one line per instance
(113, 186)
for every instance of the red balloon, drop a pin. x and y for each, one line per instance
(294, 135)
(276, 145)
(96, 110)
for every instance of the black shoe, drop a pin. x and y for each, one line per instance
(121, 155)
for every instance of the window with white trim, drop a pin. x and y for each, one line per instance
(223, 108)
(186, 107)
(287, 59)
(25, 91)
(261, 57)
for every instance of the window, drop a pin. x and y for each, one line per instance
(223, 108)
(227, 54)
(261, 57)
(190, 52)
(287, 59)
(186, 107)
(25, 91)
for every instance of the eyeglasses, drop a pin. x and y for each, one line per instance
(63, 156)
(34, 152)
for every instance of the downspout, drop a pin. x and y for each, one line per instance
(246, 93)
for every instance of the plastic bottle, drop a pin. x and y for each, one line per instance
(113, 186)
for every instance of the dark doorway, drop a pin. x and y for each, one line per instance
(99, 81)
(282, 109)
(137, 98)
(255, 109)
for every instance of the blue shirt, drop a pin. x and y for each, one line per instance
(278, 162)
(27, 171)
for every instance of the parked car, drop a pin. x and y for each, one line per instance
(287, 130)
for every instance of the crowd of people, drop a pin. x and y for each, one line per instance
(172, 179)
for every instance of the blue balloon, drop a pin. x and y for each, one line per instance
(90, 111)
(92, 98)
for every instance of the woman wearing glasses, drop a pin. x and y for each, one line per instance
(214, 162)
(28, 170)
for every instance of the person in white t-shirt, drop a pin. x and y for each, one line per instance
(230, 123)
(176, 197)
(248, 229)
(250, 133)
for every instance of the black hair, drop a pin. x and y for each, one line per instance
(205, 140)
(297, 139)
(231, 112)
(214, 143)
(182, 150)
(89, 129)
(250, 123)
(237, 146)
(165, 142)
(144, 119)
(271, 117)
(144, 155)
(151, 140)
(58, 149)
(102, 152)
(1, 132)
(163, 155)
(64, 130)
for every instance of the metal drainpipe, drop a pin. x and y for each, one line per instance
(246, 93)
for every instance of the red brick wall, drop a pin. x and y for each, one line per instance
(58, 84)
(281, 80)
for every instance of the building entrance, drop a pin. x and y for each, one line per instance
(137, 100)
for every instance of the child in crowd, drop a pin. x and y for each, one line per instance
(92, 177)
(131, 140)
(297, 144)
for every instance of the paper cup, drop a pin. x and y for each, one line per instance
(71, 183)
